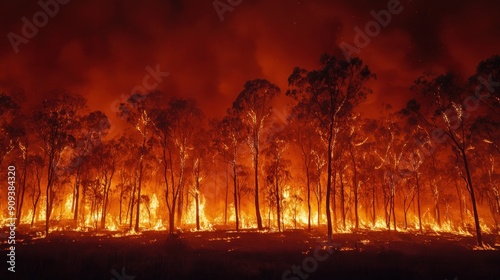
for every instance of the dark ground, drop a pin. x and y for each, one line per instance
(253, 255)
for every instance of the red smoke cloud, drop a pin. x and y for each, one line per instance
(101, 48)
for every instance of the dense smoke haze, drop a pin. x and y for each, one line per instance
(250, 139)
(100, 49)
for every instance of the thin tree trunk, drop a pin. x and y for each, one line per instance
(256, 178)
(374, 213)
(342, 199)
(393, 199)
(278, 209)
(131, 208)
(418, 203)
(77, 195)
(196, 195)
(48, 192)
(226, 200)
(308, 179)
(473, 200)
(106, 199)
(334, 199)
(355, 188)
(138, 209)
(197, 203)
(329, 185)
(236, 202)
(36, 197)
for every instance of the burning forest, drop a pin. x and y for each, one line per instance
(263, 157)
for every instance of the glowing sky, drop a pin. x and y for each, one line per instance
(101, 49)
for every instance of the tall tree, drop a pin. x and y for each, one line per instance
(329, 94)
(55, 121)
(227, 139)
(277, 172)
(355, 139)
(88, 135)
(448, 114)
(200, 157)
(391, 154)
(137, 111)
(106, 158)
(36, 164)
(24, 144)
(303, 135)
(175, 127)
(254, 107)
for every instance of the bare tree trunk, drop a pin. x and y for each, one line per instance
(120, 208)
(308, 179)
(131, 208)
(374, 213)
(171, 222)
(256, 178)
(180, 188)
(393, 207)
(48, 192)
(138, 209)
(342, 199)
(418, 202)
(197, 203)
(329, 184)
(180, 204)
(319, 199)
(105, 202)
(278, 209)
(355, 188)
(226, 200)
(36, 197)
(196, 195)
(473, 199)
(236, 202)
(461, 204)
(77, 195)
(435, 193)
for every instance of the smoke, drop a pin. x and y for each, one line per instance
(101, 49)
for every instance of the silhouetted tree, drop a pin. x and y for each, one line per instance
(227, 139)
(55, 121)
(253, 106)
(329, 94)
(276, 169)
(448, 112)
(175, 127)
(88, 135)
(137, 112)
(303, 135)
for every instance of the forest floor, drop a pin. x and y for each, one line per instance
(250, 254)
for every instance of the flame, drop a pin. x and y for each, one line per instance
(190, 218)
(294, 216)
